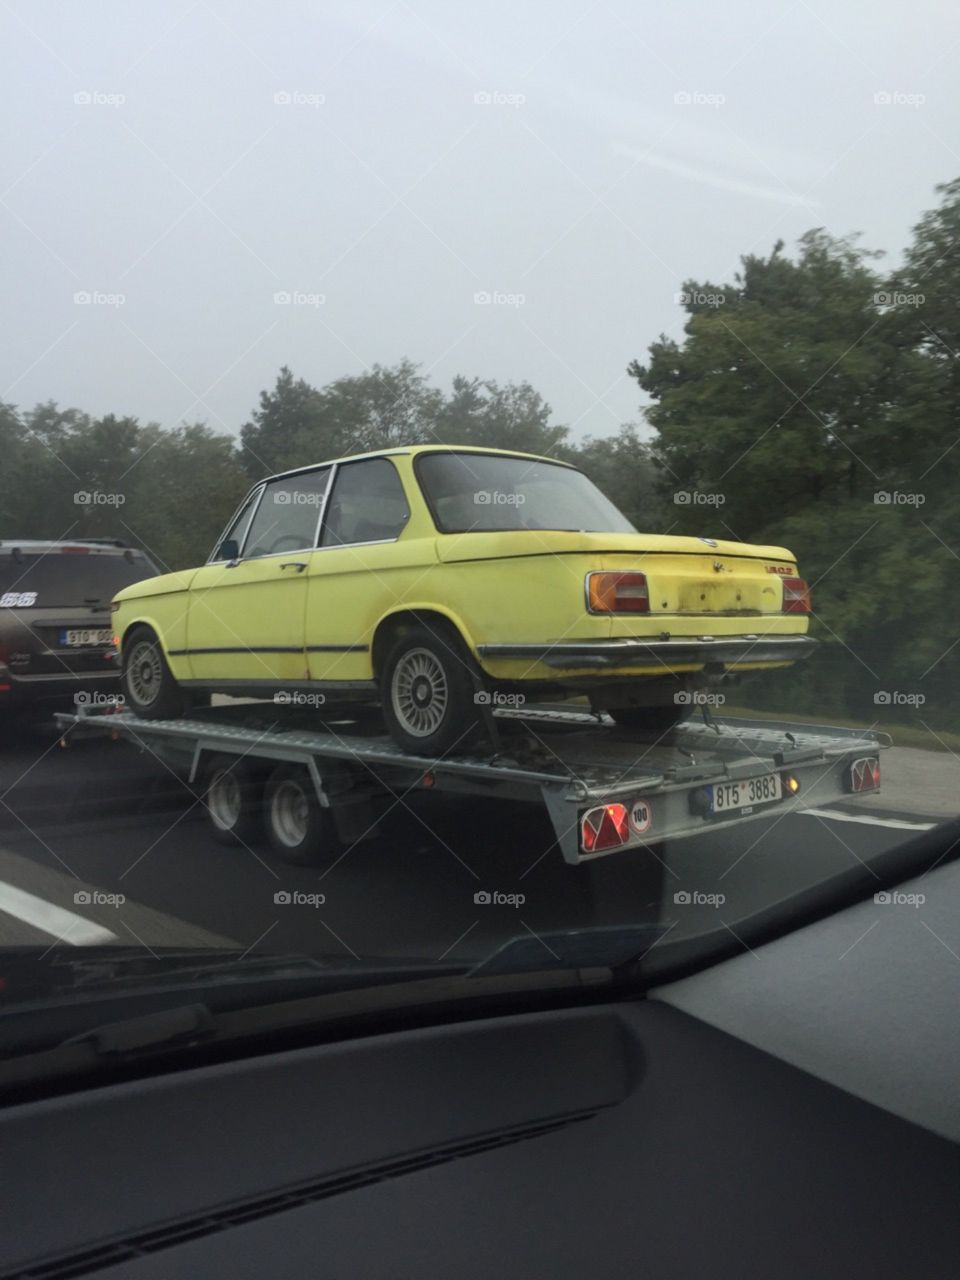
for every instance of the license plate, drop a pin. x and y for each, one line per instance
(77, 637)
(747, 793)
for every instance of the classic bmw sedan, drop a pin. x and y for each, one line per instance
(442, 581)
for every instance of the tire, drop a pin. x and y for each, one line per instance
(427, 693)
(234, 800)
(655, 721)
(149, 688)
(299, 829)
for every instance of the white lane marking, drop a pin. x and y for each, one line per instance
(899, 823)
(67, 926)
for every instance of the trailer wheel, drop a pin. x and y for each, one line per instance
(234, 798)
(299, 829)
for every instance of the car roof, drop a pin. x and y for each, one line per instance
(50, 546)
(415, 449)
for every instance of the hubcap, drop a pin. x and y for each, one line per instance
(290, 813)
(418, 693)
(224, 800)
(144, 672)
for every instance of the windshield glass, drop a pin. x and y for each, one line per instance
(540, 428)
(471, 492)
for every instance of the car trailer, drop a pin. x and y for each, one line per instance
(313, 787)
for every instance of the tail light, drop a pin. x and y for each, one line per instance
(606, 827)
(865, 774)
(796, 596)
(617, 593)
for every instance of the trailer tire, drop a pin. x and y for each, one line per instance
(300, 830)
(233, 796)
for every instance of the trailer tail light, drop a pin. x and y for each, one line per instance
(865, 774)
(796, 595)
(606, 827)
(617, 593)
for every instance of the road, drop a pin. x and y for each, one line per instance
(100, 843)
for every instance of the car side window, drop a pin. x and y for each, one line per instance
(367, 504)
(288, 516)
(228, 548)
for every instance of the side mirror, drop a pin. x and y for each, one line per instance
(229, 549)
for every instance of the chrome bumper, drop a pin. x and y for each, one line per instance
(626, 652)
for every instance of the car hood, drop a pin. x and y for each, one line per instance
(531, 542)
(160, 586)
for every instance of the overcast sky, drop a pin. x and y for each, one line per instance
(387, 166)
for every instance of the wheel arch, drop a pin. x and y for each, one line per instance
(433, 617)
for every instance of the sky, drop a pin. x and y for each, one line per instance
(193, 194)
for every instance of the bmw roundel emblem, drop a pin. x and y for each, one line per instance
(711, 542)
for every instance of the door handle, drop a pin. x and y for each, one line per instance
(299, 565)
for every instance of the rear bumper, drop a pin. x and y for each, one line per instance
(59, 686)
(693, 651)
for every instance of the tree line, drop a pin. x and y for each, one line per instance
(813, 401)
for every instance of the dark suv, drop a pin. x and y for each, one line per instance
(56, 639)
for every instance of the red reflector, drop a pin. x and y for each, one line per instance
(5, 688)
(796, 595)
(606, 827)
(865, 774)
(618, 593)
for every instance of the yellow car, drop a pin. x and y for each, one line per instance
(443, 580)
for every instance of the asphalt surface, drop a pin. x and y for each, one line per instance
(101, 843)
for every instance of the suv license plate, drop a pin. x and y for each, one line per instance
(78, 637)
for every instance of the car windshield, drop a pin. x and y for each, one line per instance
(475, 492)
(536, 433)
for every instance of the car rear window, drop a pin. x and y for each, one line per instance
(71, 579)
(476, 492)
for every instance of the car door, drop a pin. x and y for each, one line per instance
(361, 569)
(246, 607)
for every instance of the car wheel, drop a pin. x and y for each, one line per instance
(149, 688)
(654, 721)
(428, 694)
(234, 800)
(299, 829)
